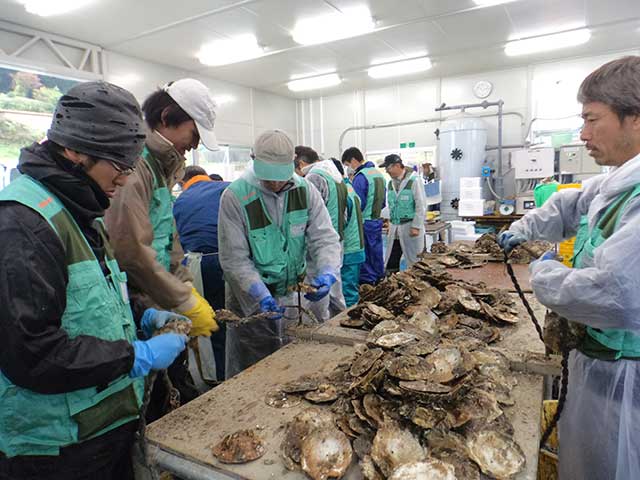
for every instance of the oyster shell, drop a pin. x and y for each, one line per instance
(301, 385)
(392, 340)
(280, 399)
(448, 363)
(393, 447)
(427, 418)
(424, 321)
(302, 425)
(324, 393)
(365, 360)
(410, 368)
(326, 453)
(464, 298)
(174, 326)
(496, 454)
(431, 469)
(369, 469)
(239, 447)
(465, 468)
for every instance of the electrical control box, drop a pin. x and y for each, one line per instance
(524, 204)
(533, 163)
(577, 161)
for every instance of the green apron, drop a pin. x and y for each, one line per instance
(39, 424)
(375, 193)
(160, 212)
(278, 252)
(353, 233)
(605, 344)
(336, 201)
(402, 206)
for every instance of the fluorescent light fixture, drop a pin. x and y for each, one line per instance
(314, 83)
(47, 8)
(490, 3)
(549, 42)
(351, 22)
(396, 69)
(230, 50)
(223, 99)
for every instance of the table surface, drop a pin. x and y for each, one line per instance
(189, 432)
(494, 274)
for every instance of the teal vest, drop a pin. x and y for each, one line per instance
(37, 424)
(353, 232)
(278, 252)
(375, 193)
(605, 344)
(160, 212)
(402, 206)
(336, 201)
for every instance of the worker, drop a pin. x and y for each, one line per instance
(272, 222)
(369, 184)
(406, 200)
(329, 182)
(196, 215)
(353, 243)
(140, 221)
(599, 424)
(71, 369)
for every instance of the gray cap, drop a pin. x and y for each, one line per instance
(274, 152)
(101, 120)
(194, 98)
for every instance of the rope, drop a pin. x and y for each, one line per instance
(516, 285)
(564, 384)
(564, 334)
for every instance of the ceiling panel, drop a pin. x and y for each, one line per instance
(415, 38)
(540, 16)
(104, 22)
(474, 28)
(599, 11)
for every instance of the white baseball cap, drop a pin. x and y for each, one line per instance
(274, 152)
(195, 98)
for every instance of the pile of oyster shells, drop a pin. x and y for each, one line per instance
(424, 398)
(485, 248)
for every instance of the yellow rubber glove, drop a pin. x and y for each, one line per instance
(202, 316)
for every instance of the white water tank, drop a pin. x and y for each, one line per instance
(461, 153)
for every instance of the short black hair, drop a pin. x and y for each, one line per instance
(193, 171)
(159, 102)
(352, 152)
(338, 165)
(215, 177)
(306, 154)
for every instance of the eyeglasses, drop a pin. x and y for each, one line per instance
(122, 171)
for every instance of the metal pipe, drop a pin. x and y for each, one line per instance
(414, 122)
(383, 125)
(506, 147)
(484, 104)
(186, 469)
(499, 180)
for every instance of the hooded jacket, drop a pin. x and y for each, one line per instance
(37, 353)
(131, 233)
(605, 294)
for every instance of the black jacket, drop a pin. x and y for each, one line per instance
(36, 353)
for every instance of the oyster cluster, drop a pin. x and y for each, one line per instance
(410, 404)
(424, 397)
(426, 294)
(239, 447)
(461, 254)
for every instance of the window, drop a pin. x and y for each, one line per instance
(229, 162)
(27, 101)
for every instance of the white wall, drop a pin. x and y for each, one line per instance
(239, 120)
(537, 90)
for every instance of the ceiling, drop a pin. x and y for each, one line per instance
(459, 36)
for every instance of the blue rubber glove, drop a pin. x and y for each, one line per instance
(153, 319)
(509, 240)
(156, 353)
(323, 284)
(269, 305)
(548, 255)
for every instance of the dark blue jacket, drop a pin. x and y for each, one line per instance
(196, 214)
